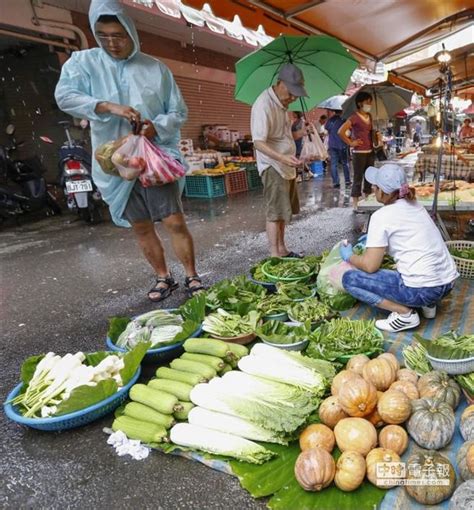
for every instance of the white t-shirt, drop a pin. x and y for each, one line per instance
(415, 243)
(270, 124)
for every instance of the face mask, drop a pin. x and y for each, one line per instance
(366, 108)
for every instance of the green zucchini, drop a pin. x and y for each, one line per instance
(213, 361)
(183, 415)
(158, 400)
(144, 413)
(179, 375)
(144, 431)
(194, 367)
(179, 389)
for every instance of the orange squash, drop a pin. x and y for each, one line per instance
(407, 374)
(317, 436)
(357, 363)
(395, 438)
(355, 434)
(378, 456)
(330, 412)
(341, 379)
(315, 469)
(394, 407)
(350, 471)
(358, 398)
(406, 387)
(380, 372)
(392, 359)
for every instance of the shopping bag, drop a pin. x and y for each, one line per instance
(313, 147)
(104, 153)
(329, 281)
(160, 167)
(129, 158)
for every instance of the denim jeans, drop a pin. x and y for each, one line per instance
(372, 288)
(339, 156)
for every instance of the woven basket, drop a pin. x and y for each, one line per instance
(452, 366)
(465, 266)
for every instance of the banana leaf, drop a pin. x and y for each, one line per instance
(449, 348)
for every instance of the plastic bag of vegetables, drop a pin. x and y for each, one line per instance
(104, 153)
(329, 281)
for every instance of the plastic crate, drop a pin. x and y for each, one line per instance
(465, 266)
(236, 182)
(253, 178)
(204, 186)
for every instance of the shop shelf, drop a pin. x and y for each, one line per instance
(253, 178)
(204, 186)
(236, 182)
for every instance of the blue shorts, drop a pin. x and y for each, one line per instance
(372, 288)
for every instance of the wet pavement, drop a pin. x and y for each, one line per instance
(61, 279)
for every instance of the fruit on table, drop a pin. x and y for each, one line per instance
(465, 460)
(341, 379)
(379, 456)
(431, 465)
(357, 363)
(317, 436)
(407, 387)
(438, 384)
(331, 412)
(380, 372)
(315, 469)
(431, 424)
(394, 407)
(394, 438)
(355, 434)
(358, 397)
(350, 471)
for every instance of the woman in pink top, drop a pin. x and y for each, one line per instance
(360, 126)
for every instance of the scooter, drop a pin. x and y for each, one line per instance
(76, 178)
(22, 186)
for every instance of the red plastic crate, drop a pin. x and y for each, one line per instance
(236, 182)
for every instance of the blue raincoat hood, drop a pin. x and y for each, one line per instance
(114, 8)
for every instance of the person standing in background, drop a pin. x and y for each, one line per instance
(338, 150)
(276, 159)
(299, 129)
(360, 126)
(417, 134)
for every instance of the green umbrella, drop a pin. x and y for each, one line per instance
(326, 65)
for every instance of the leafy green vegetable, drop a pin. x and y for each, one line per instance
(257, 273)
(85, 396)
(343, 337)
(132, 360)
(225, 324)
(450, 345)
(415, 358)
(339, 300)
(310, 309)
(273, 304)
(28, 368)
(238, 295)
(288, 268)
(466, 381)
(464, 253)
(117, 326)
(194, 309)
(294, 290)
(277, 332)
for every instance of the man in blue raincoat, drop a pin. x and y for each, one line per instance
(112, 86)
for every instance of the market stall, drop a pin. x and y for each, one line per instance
(252, 378)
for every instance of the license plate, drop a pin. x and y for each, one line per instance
(78, 186)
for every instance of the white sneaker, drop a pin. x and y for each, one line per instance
(396, 322)
(429, 312)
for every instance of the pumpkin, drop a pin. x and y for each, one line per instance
(374, 417)
(463, 496)
(465, 460)
(437, 384)
(350, 471)
(395, 438)
(341, 379)
(355, 434)
(380, 373)
(394, 407)
(379, 456)
(406, 387)
(330, 412)
(357, 363)
(466, 425)
(315, 469)
(432, 423)
(430, 465)
(392, 359)
(317, 436)
(358, 398)
(406, 374)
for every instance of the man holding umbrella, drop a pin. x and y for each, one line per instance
(275, 148)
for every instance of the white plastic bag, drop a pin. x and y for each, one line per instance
(313, 147)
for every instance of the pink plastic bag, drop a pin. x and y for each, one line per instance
(139, 158)
(160, 168)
